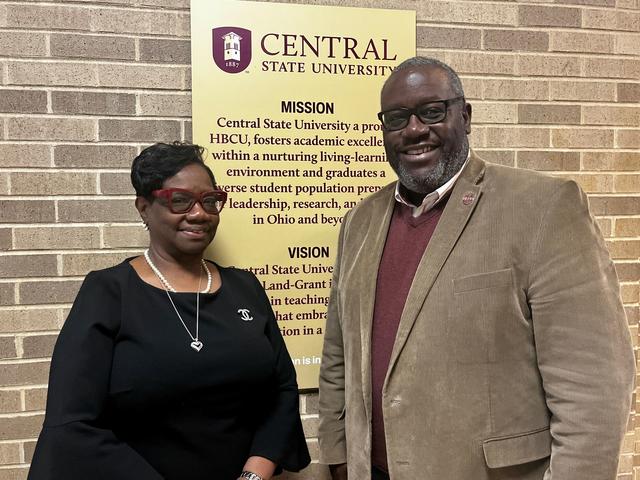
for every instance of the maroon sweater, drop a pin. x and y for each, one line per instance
(407, 240)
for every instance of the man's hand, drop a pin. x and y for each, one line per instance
(338, 472)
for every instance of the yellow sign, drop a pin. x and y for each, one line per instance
(285, 100)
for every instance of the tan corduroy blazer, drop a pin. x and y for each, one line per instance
(513, 358)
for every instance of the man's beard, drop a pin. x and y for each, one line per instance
(444, 171)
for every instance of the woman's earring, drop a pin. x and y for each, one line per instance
(145, 225)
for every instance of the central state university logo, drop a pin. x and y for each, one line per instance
(231, 48)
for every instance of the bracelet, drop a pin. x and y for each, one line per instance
(250, 475)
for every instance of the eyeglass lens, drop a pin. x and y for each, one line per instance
(182, 202)
(429, 113)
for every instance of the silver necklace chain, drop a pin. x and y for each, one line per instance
(166, 283)
(196, 344)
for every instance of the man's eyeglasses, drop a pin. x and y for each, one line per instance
(428, 113)
(180, 200)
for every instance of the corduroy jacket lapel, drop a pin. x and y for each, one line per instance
(460, 206)
(372, 253)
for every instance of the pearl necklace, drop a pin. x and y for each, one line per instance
(196, 344)
(166, 283)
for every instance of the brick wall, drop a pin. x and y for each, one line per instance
(85, 84)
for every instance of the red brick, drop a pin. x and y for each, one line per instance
(130, 236)
(14, 428)
(92, 46)
(165, 105)
(448, 37)
(581, 138)
(48, 238)
(23, 101)
(48, 17)
(607, 115)
(139, 130)
(162, 77)
(500, 157)
(583, 90)
(47, 292)
(140, 22)
(481, 62)
(611, 161)
(53, 183)
(175, 52)
(581, 42)
(46, 128)
(10, 401)
(25, 155)
(97, 211)
(628, 138)
(6, 240)
(81, 263)
(550, 114)
(617, 67)
(32, 373)
(94, 156)
(629, 92)
(29, 449)
(516, 40)
(35, 398)
(7, 347)
(23, 44)
(93, 103)
(517, 137)
(603, 3)
(502, 13)
(15, 266)
(7, 295)
(116, 184)
(27, 211)
(52, 73)
(628, 227)
(628, 184)
(543, 16)
(548, 65)
(38, 346)
(605, 205)
(610, 19)
(21, 320)
(514, 89)
(549, 160)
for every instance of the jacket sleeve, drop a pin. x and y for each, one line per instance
(76, 441)
(280, 437)
(332, 411)
(582, 340)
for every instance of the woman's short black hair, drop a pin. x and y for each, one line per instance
(160, 161)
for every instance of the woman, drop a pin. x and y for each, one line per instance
(170, 366)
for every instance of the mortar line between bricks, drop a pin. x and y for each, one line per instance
(64, 170)
(91, 61)
(27, 334)
(91, 117)
(88, 198)
(24, 226)
(94, 6)
(525, 29)
(43, 306)
(87, 251)
(93, 89)
(517, 55)
(86, 33)
(17, 361)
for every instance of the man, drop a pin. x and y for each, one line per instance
(475, 328)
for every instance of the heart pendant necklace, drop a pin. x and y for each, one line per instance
(196, 344)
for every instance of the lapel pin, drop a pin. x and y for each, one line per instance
(468, 198)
